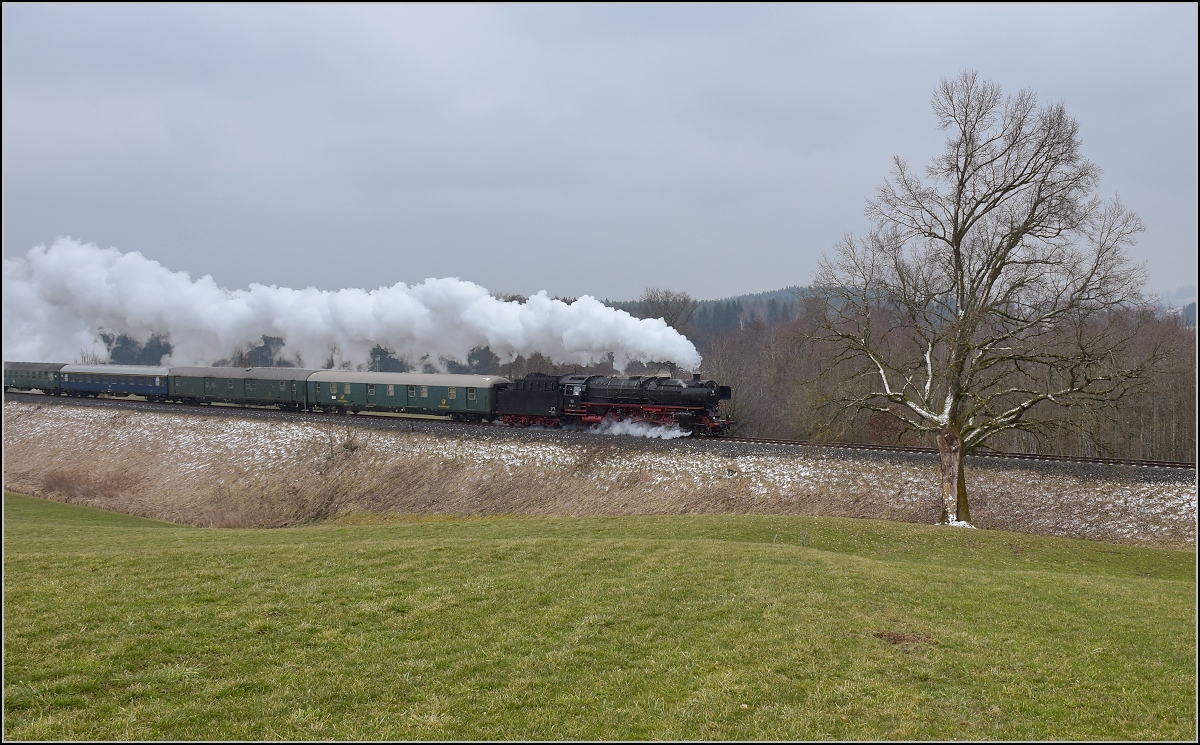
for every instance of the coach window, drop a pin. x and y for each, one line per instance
(470, 394)
(370, 389)
(424, 391)
(451, 392)
(391, 390)
(412, 391)
(346, 388)
(229, 384)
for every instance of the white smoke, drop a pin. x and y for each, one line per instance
(638, 429)
(58, 300)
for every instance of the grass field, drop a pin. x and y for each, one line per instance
(592, 628)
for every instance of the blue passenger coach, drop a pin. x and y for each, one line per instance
(115, 380)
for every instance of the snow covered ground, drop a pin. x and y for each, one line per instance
(208, 470)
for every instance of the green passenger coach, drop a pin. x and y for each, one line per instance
(245, 386)
(33, 376)
(463, 397)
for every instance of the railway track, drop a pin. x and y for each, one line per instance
(399, 421)
(989, 454)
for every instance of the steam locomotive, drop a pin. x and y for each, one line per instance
(547, 400)
(535, 400)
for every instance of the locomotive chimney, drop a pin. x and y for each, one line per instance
(696, 376)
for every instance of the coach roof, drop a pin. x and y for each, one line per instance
(384, 378)
(244, 373)
(115, 369)
(37, 366)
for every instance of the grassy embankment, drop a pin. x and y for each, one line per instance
(596, 628)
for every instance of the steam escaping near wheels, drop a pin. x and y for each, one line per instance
(60, 299)
(638, 429)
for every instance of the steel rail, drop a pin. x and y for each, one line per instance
(988, 454)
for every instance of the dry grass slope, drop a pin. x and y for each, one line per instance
(228, 472)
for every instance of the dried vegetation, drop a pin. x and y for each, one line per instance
(228, 472)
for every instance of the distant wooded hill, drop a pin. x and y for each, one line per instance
(713, 318)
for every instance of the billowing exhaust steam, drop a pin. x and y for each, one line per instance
(59, 300)
(639, 429)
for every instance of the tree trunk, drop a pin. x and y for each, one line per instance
(954, 480)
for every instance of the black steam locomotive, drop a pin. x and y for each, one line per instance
(553, 401)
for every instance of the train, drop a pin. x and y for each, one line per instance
(692, 404)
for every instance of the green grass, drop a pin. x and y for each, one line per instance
(597, 628)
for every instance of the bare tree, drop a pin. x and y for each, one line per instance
(673, 307)
(982, 299)
(90, 357)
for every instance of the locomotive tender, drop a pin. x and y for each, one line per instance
(535, 400)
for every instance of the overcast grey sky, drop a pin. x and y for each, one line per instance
(576, 149)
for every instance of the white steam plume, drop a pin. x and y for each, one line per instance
(638, 429)
(58, 300)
